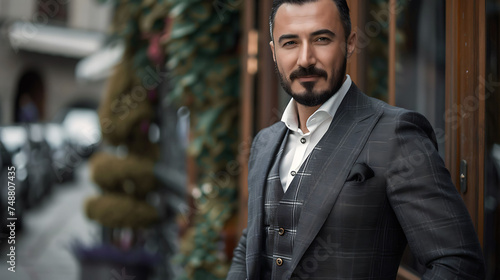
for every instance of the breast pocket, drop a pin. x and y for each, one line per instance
(359, 204)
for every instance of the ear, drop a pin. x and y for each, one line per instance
(271, 44)
(351, 43)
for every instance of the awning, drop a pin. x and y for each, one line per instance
(98, 66)
(54, 40)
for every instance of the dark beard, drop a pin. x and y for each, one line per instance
(310, 98)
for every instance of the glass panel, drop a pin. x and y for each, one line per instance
(373, 39)
(420, 70)
(492, 153)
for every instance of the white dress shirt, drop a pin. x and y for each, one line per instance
(299, 145)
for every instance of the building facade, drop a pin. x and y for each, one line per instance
(40, 47)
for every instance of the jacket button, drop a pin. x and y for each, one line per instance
(281, 231)
(279, 261)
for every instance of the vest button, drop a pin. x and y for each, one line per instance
(281, 231)
(279, 261)
(293, 173)
(303, 140)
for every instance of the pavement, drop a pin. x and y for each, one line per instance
(43, 247)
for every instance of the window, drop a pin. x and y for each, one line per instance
(52, 11)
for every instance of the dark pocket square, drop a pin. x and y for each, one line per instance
(360, 172)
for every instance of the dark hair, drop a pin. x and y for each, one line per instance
(341, 6)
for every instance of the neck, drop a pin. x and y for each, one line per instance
(304, 112)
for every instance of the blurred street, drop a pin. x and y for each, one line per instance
(43, 246)
(159, 104)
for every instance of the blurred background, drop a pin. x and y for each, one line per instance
(129, 124)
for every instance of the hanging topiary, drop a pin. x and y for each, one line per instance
(126, 112)
(121, 211)
(132, 175)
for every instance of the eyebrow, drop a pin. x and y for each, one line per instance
(287, 36)
(315, 33)
(323, 32)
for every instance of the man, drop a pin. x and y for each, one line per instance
(345, 182)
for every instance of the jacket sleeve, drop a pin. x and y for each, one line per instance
(238, 268)
(429, 208)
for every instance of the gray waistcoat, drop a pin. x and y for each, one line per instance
(282, 212)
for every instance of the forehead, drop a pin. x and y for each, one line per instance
(307, 18)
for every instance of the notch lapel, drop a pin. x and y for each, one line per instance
(333, 158)
(266, 147)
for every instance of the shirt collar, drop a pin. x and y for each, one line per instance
(327, 110)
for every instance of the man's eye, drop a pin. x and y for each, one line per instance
(323, 39)
(288, 43)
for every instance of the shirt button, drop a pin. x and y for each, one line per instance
(279, 261)
(293, 173)
(303, 140)
(281, 231)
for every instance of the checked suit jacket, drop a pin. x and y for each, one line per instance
(378, 185)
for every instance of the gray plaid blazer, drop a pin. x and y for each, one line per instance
(379, 184)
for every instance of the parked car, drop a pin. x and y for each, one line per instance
(17, 186)
(83, 128)
(30, 154)
(40, 157)
(63, 155)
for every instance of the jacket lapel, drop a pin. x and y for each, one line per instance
(333, 157)
(268, 145)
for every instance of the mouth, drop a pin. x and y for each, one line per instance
(311, 78)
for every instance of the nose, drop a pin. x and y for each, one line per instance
(306, 57)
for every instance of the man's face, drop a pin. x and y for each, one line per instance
(310, 50)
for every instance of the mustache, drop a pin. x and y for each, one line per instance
(310, 71)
